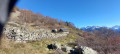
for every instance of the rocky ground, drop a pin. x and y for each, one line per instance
(19, 33)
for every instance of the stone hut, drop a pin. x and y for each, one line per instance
(55, 30)
(64, 30)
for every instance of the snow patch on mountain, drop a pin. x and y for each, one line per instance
(91, 28)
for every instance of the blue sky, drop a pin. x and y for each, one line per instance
(80, 12)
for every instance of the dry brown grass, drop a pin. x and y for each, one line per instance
(10, 47)
(107, 45)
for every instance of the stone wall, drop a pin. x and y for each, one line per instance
(27, 33)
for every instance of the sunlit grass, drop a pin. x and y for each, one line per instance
(33, 47)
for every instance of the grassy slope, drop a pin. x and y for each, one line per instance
(36, 47)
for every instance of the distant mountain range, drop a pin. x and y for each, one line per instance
(91, 28)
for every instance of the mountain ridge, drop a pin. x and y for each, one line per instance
(91, 28)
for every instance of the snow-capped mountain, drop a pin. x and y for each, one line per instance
(116, 28)
(91, 28)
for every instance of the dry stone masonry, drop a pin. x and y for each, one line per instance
(27, 33)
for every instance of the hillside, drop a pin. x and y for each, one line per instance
(36, 19)
(33, 33)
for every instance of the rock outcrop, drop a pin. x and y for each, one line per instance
(72, 50)
(87, 50)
